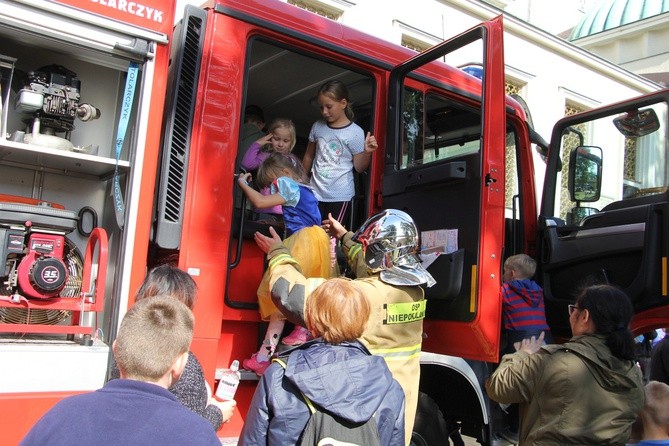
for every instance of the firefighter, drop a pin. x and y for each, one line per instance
(384, 255)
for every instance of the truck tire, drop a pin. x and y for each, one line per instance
(429, 429)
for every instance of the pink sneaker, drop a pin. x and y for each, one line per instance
(298, 336)
(253, 364)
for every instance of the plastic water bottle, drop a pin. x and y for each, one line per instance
(227, 386)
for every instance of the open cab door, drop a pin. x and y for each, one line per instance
(605, 211)
(445, 167)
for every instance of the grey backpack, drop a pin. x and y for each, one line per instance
(325, 429)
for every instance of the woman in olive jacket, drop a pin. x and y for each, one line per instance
(586, 391)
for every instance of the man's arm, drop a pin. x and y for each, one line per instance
(352, 250)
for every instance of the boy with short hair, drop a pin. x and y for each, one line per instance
(655, 414)
(523, 316)
(151, 350)
(523, 313)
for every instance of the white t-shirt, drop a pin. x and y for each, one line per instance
(332, 171)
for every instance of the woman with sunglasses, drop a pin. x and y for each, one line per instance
(586, 391)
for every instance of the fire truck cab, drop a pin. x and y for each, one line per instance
(442, 135)
(455, 153)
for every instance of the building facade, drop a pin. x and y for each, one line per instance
(553, 76)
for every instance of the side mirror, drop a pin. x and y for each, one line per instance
(578, 214)
(585, 174)
(637, 123)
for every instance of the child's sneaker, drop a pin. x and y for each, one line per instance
(253, 364)
(298, 336)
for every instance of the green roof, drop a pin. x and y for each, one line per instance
(614, 13)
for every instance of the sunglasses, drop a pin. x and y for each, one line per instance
(572, 308)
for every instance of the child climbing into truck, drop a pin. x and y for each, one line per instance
(308, 242)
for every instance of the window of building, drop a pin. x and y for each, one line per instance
(414, 44)
(511, 166)
(332, 9)
(570, 141)
(414, 38)
(631, 166)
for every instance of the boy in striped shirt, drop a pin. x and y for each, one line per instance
(523, 312)
(523, 316)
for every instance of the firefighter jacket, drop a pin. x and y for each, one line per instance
(572, 393)
(395, 328)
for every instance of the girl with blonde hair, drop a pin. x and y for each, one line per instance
(308, 242)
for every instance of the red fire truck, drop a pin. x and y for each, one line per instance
(455, 153)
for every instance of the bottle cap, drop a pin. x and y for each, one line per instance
(234, 366)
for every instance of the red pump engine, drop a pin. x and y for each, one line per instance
(42, 272)
(38, 260)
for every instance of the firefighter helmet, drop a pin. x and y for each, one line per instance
(390, 243)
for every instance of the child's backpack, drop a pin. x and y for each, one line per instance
(325, 429)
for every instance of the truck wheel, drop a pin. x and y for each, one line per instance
(429, 429)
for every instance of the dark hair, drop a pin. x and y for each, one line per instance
(611, 312)
(171, 281)
(272, 168)
(338, 91)
(253, 113)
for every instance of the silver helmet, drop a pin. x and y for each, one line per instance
(390, 243)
